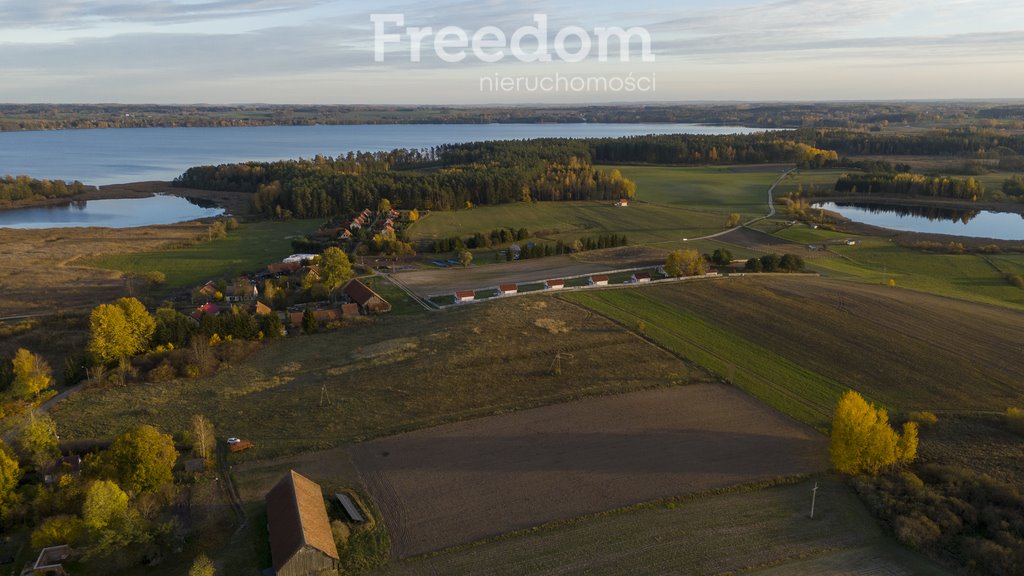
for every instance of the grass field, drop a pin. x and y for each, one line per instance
(796, 343)
(440, 487)
(966, 276)
(777, 381)
(392, 375)
(672, 204)
(764, 531)
(251, 247)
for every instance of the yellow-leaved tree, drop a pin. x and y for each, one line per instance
(863, 441)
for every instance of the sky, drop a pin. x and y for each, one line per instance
(324, 51)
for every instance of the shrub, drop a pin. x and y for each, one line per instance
(923, 418)
(163, 372)
(1015, 420)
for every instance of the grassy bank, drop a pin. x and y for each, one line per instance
(251, 247)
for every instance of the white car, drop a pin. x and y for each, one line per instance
(233, 440)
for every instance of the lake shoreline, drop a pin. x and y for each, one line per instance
(234, 203)
(924, 202)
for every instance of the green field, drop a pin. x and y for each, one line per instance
(809, 180)
(757, 531)
(673, 204)
(966, 276)
(773, 379)
(251, 247)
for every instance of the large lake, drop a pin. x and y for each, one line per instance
(977, 224)
(116, 156)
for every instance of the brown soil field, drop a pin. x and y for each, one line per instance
(466, 481)
(440, 281)
(906, 349)
(761, 242)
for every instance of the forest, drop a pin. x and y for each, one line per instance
(459, 175)
(911, 184)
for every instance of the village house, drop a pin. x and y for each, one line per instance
(508, 289)
(326, 315)
(555, 284)
(465, 296)
(283, 268)
(208, 290)
(622, 203)
(301, 542)
(369, 302)
(598, 280)
(208, 309)
(640, 278)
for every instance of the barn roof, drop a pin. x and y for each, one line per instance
(360, 293)
(297, 518)
(508, 287)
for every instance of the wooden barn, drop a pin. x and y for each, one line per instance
(369, 301)
(301, 543)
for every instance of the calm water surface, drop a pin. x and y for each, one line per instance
(977, 224)
(120, 213)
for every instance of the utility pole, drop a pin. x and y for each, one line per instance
(814, 495)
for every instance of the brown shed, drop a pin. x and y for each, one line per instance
(301, 543)
(368, 300)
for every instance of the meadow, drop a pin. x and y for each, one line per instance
(389, 375)
(251, 247)
(672, 205)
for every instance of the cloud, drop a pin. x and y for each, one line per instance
(83, 13)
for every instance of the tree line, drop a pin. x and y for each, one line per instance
(25, 189)
(910, 185)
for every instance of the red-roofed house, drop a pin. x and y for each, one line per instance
(599, 280)
(508, 289)
(640, 278)
(465, 296)
(555, 284)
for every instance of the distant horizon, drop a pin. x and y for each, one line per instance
(490, 53)
(724, 102)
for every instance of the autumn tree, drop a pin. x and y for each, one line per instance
(733, 220)
(674, 264)
(31, 375)
(105, 504)
(863, 441)
(414, 215)
(685, 263)
(203, 437)
(110, 338)
(57, 530)
(465, 258)
(10, 474)
(140, 323)
(335, 268)
(202, 566)
(37, 442)
(384, 206)
(141, 459)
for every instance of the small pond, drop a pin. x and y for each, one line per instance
(930, 220)
(117, 213)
